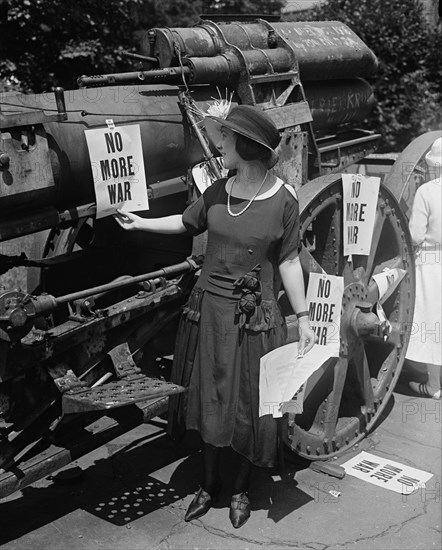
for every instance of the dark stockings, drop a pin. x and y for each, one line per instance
(210, 468)
(211, 478)
(242, 479)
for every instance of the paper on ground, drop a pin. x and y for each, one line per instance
(386, 473)
(282, 374)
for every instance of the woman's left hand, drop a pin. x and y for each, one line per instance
(307, 336)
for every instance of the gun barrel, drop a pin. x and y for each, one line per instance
(170, 75)
(219, 54)
(325, 50)
(259, 62)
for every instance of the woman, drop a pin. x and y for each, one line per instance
(232, 317)
(426, 233)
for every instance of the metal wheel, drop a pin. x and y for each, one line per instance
(56, 242)
(410, 170)
(346, 396)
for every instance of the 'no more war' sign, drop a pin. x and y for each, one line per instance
(386, 473)
(360, 197)
(117, 164)
(285, 370)
(324, 300)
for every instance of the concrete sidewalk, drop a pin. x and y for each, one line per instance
(133, 494)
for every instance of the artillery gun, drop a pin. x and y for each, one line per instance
(84, 350)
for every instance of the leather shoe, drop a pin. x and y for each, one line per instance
(239, 509)
(201, 504)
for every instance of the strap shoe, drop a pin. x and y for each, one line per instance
(201, 503)
(239, 509)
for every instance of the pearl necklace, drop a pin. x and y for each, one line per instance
(229, 210)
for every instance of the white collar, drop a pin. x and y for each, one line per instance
(269, 193)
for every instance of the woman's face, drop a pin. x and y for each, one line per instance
(226, 145)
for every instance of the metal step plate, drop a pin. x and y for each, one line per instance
(129, 390)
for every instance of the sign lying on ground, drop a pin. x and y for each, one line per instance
(386, 473)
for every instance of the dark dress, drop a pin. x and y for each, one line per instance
(232, 318)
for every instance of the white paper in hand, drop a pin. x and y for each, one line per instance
(282, 374)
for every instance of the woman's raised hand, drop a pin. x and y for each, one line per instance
(127, 220)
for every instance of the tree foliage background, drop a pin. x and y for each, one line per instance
(44, 43)
(51, 42)
(408, 84)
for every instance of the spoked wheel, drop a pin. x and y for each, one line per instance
(344, 399)
(76, 239)
(410, 170)
(62, 245)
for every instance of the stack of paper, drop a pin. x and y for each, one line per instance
(282, 375)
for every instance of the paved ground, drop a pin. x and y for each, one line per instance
(133, 493)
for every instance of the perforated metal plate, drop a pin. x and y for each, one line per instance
(119, 393)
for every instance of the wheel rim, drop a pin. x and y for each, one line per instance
(346, 396)
(410, 170)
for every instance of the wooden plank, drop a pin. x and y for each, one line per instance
(272, 77)
(29, 119)
(290, 115)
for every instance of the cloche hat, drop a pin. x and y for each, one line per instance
(250, 122)
(434, 155)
